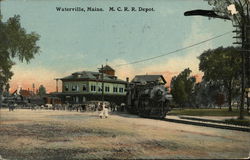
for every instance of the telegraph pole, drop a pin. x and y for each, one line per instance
(56, 84)
(242, 32)
(102, 85)
(33, 89)
(248, 55)
(0, 9)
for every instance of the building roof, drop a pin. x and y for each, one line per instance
(92, 76)
(25, 93)
(148, 78)
(107, 68)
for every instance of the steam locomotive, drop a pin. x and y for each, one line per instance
(147, 96)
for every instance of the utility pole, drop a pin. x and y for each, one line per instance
(247, 56)
(0, 10)
(102, 85)
(243, 83)
(56, 84)
(242, 32)
(33, 89)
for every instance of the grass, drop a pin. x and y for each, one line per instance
(206, 112)
(241, 122)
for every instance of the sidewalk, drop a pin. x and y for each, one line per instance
(207, 121)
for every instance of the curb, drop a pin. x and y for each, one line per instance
(211, 124)
(202, 119)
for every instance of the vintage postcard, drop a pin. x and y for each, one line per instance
(116, 79)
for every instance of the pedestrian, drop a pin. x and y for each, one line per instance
(11, 106)
(105, 110)
(100, 109)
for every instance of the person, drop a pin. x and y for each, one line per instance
(105, 110)
(11, 106)
(100, 108)
(84, 107)
(122, 107)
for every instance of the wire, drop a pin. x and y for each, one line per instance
(181, 49)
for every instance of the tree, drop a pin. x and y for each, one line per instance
(41, 90)
(15, 43)
(220, 99)
(222, 65)
(205, 93)
(241, 19)
(182, 87)
(242, 7)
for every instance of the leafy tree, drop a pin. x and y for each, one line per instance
(15, 44)
(205, 93)
(220, 99)
(222, 65)
(241, 6)
(182, 87)
(41, 90)
(242, 20)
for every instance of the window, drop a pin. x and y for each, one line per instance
(114, 89)
(66, 88)
(106, 88)
(99, 88)
(92, 87)
(75, 88)
(84, 87)
(121, 90)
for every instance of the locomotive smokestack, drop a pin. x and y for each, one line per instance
(127, 79)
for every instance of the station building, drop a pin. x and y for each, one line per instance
(83, 86)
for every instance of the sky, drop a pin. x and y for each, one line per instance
(75, 40)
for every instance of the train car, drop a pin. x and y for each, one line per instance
(148, 98)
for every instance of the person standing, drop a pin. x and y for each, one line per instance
(105, 110)
(100, 109)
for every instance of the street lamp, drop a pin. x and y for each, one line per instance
(206, 13)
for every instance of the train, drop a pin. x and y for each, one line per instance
(148, 99)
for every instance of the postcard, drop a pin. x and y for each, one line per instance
(116, 79)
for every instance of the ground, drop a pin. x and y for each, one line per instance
(47, 134)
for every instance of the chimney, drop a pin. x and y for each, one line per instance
(127, 79)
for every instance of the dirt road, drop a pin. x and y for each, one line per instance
(47, 134)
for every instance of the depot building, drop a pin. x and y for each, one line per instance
(83, 86)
